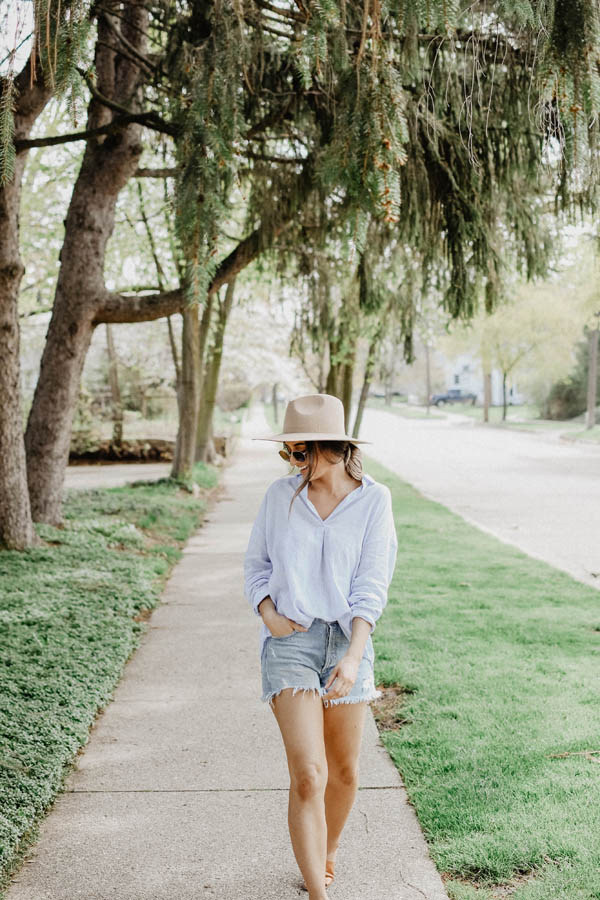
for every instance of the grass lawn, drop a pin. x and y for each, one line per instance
(588, 434)
(496, 656)
(71, 613)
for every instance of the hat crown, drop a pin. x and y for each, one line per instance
(314, 413)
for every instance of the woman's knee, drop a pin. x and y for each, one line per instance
(308, 780)
(345, 773)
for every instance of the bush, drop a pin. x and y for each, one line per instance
(568, 398)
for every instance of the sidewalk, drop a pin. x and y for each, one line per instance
(181, 791)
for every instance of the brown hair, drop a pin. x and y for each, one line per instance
(333, 451)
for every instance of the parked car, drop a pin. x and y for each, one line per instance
(453, 395)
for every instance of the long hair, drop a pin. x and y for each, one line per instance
(333, 451)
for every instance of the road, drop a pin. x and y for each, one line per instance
(528, 489)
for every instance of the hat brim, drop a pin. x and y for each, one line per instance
(309, 436)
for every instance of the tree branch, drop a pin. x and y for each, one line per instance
(274, 159)
(155, 173)
(117, 107)
(149, 120)
(120, 308)
(128, 46)
(143, 308)
(263, 4)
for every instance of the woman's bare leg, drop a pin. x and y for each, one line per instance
(343, 726)
(300, 719)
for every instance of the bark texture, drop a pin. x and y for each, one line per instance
(16, 529)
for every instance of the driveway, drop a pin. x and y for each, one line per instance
(528, 489)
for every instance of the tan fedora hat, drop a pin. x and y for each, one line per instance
(314, 417)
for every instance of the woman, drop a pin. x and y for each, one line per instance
(319, 562)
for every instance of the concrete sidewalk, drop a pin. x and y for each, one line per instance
(181, 791)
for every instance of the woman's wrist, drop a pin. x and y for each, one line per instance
(361, 629)
(266, 608)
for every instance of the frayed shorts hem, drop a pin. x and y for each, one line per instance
(366, 698)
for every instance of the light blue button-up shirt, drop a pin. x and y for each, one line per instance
(335, 568)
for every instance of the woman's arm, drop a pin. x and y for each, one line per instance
(369, 590)
(257, 562)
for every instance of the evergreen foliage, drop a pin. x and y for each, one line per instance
(453, 128)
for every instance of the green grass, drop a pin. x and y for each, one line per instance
(588, 434)
(499, 654)
(71, 613)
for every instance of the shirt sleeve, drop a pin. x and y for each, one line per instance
(257, 563)
(369, 589)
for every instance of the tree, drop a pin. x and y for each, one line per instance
(58, 35)
(323, 100)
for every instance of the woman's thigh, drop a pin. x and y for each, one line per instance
(343, 727)
(300, 720)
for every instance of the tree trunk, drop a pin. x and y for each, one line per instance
(211, 382)
(347, 384)
(364, 393)
(332, 385)
(202, 342)
(592, 379)
(427, 377)
(183, 459)
(115, 390)
(107, 165)
(16, 528)
(504, 401)
(487, 395)
(274, 402)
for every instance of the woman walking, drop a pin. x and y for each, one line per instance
(319, 561)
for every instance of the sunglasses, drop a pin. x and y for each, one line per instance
(286, 454)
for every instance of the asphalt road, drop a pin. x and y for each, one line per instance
(532, 490)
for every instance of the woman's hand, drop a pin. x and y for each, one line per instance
(280, 626)
(344, 675)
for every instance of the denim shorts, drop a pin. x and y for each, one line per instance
(303, 660)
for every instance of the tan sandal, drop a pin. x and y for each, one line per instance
(329, 871)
